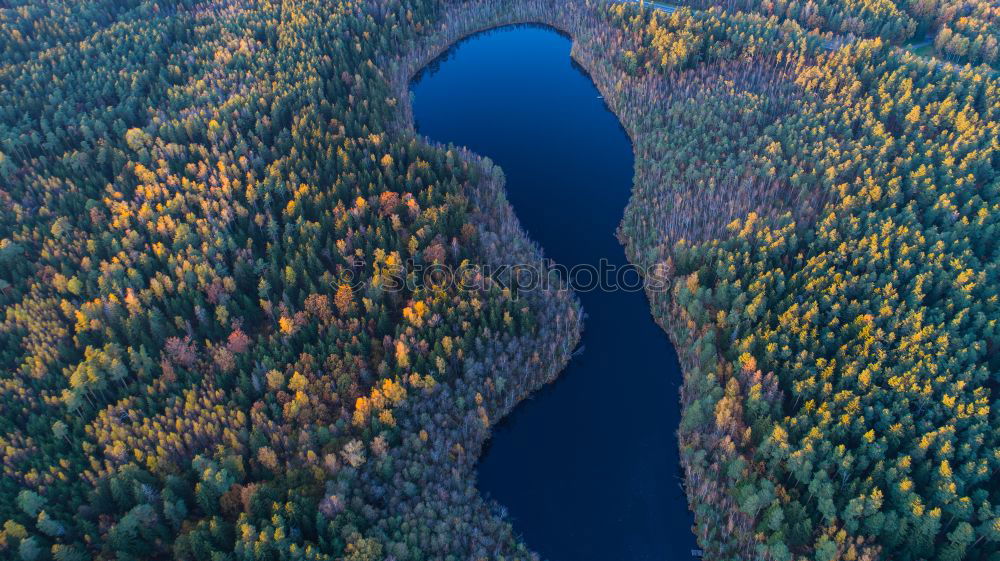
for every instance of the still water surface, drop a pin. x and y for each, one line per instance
(587, 468)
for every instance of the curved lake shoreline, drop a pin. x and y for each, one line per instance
(588, 468)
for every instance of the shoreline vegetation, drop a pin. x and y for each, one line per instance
(188, 376)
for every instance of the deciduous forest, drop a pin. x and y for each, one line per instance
(215, 342)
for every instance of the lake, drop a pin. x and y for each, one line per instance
(587, 468)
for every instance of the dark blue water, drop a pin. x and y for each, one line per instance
(588, 467)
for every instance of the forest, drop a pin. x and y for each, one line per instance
(188, 187)
(959, 31)
(205, 203)
(829, 219)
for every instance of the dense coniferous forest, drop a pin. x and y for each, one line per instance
(961, 31)
(216, 345)
(829, 220)
(213, 343)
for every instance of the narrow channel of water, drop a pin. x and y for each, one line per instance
(587, 468)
